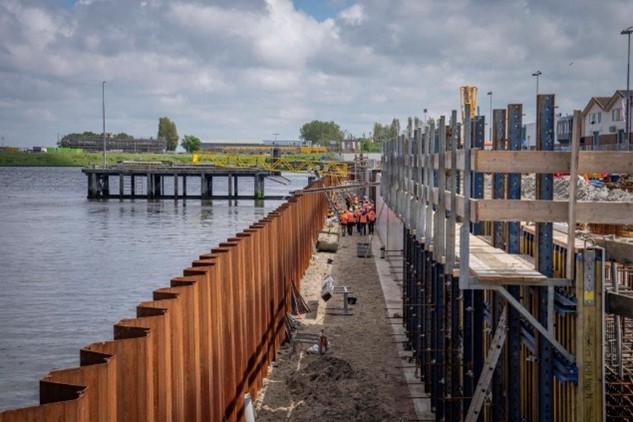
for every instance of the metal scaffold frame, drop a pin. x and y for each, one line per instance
(456, 283)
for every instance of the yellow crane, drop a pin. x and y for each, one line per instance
(468, 95)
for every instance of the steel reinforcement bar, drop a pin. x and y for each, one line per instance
(200, 344)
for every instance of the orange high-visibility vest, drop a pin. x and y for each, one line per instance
(363, 218)
(371, 215)
(343, 218)
(350, 217)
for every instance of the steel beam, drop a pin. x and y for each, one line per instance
(544, 240)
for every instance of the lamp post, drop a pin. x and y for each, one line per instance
(537, 74)
(490, 123)
(628, 32)
(104, 133)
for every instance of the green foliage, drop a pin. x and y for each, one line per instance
(383, 133)
(395, 128)
(86, 159)
(88, 134)
(123, 135)
(191, 143)
(368, 145)
(321, 133)
(167, 130)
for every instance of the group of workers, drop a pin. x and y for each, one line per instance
(361, 214)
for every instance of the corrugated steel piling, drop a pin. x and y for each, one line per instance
(198, 346)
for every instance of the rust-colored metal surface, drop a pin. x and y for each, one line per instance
(200, 344)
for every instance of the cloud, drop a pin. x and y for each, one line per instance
(246, 68)
(353, 15)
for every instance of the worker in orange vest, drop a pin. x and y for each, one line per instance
(357, 213)
(371, 220)
(350, 221)
(342, 220)
(363, 222)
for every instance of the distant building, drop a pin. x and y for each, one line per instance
(604, 121)
(128, 145)
(350, 145)
(563, 130)
(529, 136)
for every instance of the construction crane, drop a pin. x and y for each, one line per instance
(468, 95)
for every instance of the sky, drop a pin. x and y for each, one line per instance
(248, 70)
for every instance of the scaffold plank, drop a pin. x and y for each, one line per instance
(489, 264)
(551, 211)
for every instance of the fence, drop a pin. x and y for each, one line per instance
(200, 344)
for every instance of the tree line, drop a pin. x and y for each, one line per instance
(166, 130)
(325, 133)
(317, 131)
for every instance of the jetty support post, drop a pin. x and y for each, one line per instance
(158, 186)
(150, 186)
(205, 183)
(259, 186)
(98, 186)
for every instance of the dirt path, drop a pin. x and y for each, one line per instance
(359, 378)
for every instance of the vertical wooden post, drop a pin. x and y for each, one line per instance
(589, 329)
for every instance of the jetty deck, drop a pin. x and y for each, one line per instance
(148, 180)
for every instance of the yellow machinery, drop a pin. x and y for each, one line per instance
(468, 95)
(283, 149)
(266, 162)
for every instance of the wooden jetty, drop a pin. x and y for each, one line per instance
(155, 173)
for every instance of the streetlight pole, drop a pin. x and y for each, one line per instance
(104, 132)
(628, 32)
(537, 74)
(490, 117)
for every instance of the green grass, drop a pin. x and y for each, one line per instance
(90, 159)
(53, 159)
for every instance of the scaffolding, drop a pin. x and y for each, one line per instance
(469, 254)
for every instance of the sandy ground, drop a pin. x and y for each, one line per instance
(360, 377)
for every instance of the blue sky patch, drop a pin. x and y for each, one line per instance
(322, 9)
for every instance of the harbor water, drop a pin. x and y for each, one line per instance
(70, 268)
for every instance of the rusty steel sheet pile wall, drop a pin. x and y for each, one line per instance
(199, 345)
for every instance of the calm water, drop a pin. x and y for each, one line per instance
(70, 268)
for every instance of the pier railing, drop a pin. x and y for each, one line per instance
(201, 343)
